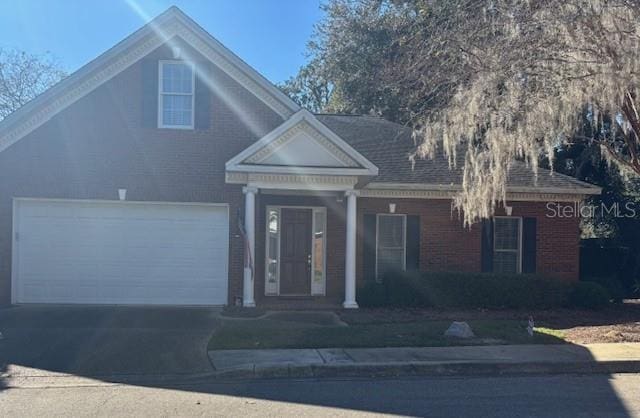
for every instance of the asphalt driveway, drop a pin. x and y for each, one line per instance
(107, 340)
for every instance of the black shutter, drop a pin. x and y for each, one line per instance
(150, 93)
(486, 247)
(202, 116)
(369, 247)
(413, 243)
(529, 245)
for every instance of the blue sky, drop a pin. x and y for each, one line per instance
(270, 35)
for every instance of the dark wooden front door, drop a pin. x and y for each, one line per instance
(295, 252)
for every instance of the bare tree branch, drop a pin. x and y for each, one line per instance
(23, 76)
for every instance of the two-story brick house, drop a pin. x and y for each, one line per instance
(167, 171)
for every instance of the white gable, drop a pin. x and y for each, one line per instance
(302, 145)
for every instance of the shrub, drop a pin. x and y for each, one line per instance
(372, 295)
(612, 284)
(614, 266)
(465, 290)
(404, 289)
(398, 289)
(589, 295)
(494, 291)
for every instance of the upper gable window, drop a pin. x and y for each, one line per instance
(176, 95)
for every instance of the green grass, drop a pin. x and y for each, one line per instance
(550, 332)
(268, 333)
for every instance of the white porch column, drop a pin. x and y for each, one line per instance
(350, 253)
(250, 245)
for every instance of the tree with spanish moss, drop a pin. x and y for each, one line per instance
(496, 80)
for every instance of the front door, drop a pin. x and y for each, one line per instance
(295, 252)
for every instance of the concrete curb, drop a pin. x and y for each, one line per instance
(407, 369)
(353, 370)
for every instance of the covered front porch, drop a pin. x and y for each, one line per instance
(305, 249)
(300, 185)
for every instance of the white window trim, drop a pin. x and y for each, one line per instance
(404, 224)
(314, 210)
(323, 290)
(267, 248)
(161, 124)
(519, 250)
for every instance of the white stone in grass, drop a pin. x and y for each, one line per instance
(459, 330)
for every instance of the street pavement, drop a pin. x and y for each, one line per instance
(524, 396)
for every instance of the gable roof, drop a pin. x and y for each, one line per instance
(302, 145)
(388, 145)
(173, 22)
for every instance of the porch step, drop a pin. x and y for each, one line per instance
(299, 302)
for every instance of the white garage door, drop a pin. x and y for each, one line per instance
(119, 253)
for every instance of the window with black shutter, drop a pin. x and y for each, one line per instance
(391, 244)
(507, 244)
(176, 95)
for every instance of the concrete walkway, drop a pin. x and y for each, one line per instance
(607, 358)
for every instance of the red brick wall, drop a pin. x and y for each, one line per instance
(557, 241)
(444, 243)
(447, 245)
(99, 144)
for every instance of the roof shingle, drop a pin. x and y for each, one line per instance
(388, 145)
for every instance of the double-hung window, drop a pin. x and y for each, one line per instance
(507, 244)
(176, 95)
(390, 244)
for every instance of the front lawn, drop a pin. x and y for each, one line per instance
(425, 327)
(269, 333)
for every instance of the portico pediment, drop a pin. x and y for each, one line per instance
(304, 146)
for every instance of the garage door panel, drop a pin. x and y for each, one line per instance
(121, 253)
